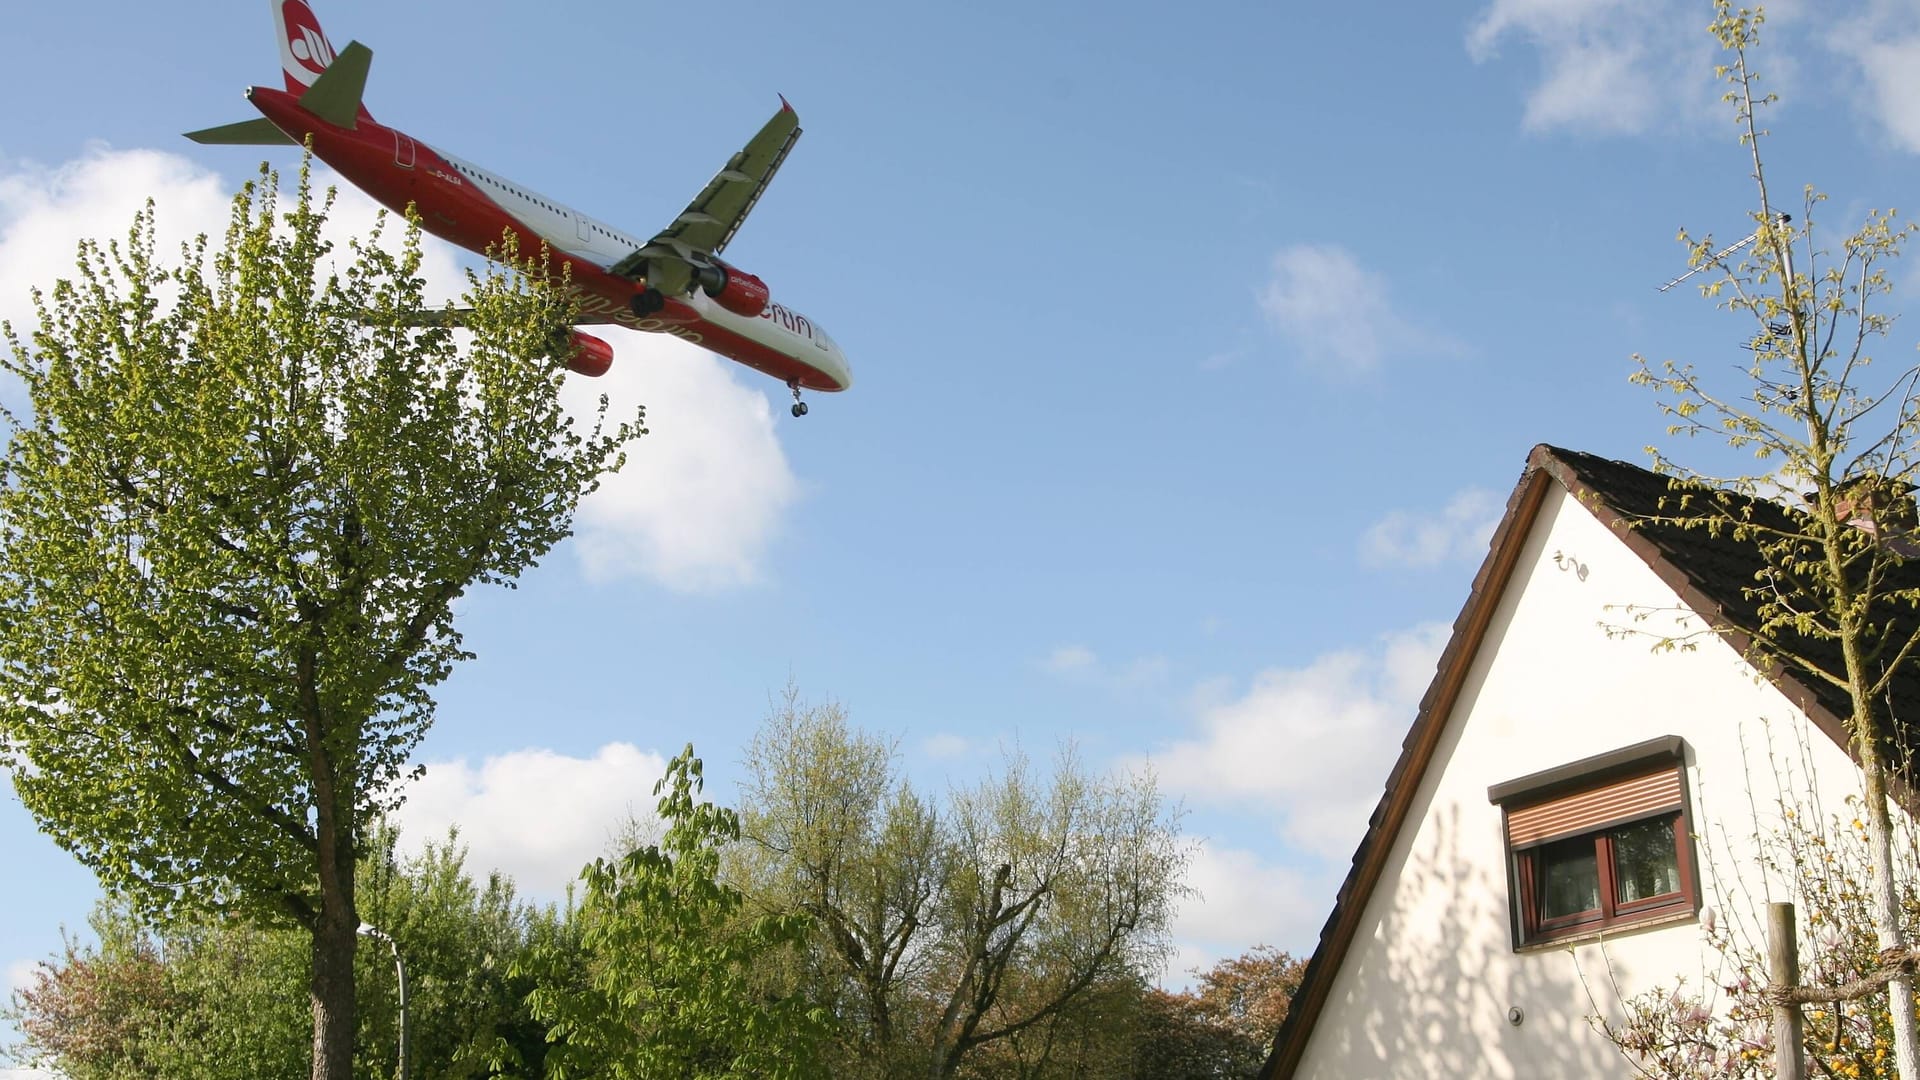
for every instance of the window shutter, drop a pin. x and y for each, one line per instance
(1595, 808)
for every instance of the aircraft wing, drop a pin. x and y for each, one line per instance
(711, 219)
(704, 228)
(455, 315)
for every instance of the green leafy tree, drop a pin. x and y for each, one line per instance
(1092, 1037)
(216, 1001)
(940, 931)
(232, 527)
(1833, 604)
(215, 998)
(669, 984)
(461, 941)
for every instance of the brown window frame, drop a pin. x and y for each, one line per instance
(1658, 765)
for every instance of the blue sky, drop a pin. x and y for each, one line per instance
(1194, 356)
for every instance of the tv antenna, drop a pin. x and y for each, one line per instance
(1726, 251)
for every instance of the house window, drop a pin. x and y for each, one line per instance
(1599, 844)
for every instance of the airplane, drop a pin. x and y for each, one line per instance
(673, 283)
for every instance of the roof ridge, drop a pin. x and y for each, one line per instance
(1712, 574)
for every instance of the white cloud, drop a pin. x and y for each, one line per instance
(1336, 312)
(1310, 746)
(1083, 664)
(535, 815)
(1143, 671)
(1071, 658)
(1459, 530)
(1884, 41)
(20, 974)
(1243, 902)
(1607, 67)
(19, 977)
(1616, 67)
(703, 495)
(46, 211)
(946, 746)
(700, 499)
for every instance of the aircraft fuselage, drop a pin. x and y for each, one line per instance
(472, 208)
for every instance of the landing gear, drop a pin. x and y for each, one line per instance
(799, 407)
(647, 302)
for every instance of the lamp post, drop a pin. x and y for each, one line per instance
(400, 972)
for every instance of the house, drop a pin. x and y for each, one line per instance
(1567, 800)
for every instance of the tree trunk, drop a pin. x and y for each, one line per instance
(1886, 903)
(1885, 899)
(335, 932)
(332, 994)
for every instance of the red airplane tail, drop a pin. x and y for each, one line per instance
(328, 84)
(305, 51)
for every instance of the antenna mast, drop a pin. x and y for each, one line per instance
(1726, 251)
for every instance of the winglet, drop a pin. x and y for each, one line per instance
(335, 93)
(785, 105)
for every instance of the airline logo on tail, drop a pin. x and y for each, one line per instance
(304, 50)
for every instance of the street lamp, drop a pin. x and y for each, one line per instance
(400, 972)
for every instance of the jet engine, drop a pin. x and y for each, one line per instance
(736, 290)
(587, 355)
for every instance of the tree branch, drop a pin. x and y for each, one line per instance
(293, 827)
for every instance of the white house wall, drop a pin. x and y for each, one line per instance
(1431, 975)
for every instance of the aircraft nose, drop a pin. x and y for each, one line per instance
(834, 366)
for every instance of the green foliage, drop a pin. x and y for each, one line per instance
(232, 527)
(1179, 1039)
(1125, 1030)
(215, 998)
(460, 940)
(1835, 601)
(1809, 406)
(670, 985)
(940, 931)
(231, 530)
(1098, 1035)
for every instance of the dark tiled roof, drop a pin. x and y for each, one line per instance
(1725, 573)
(1713, 572)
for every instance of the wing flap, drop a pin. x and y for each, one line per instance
(733, 191)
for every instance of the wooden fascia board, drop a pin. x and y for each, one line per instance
(1543, 469)
(1369, 862)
